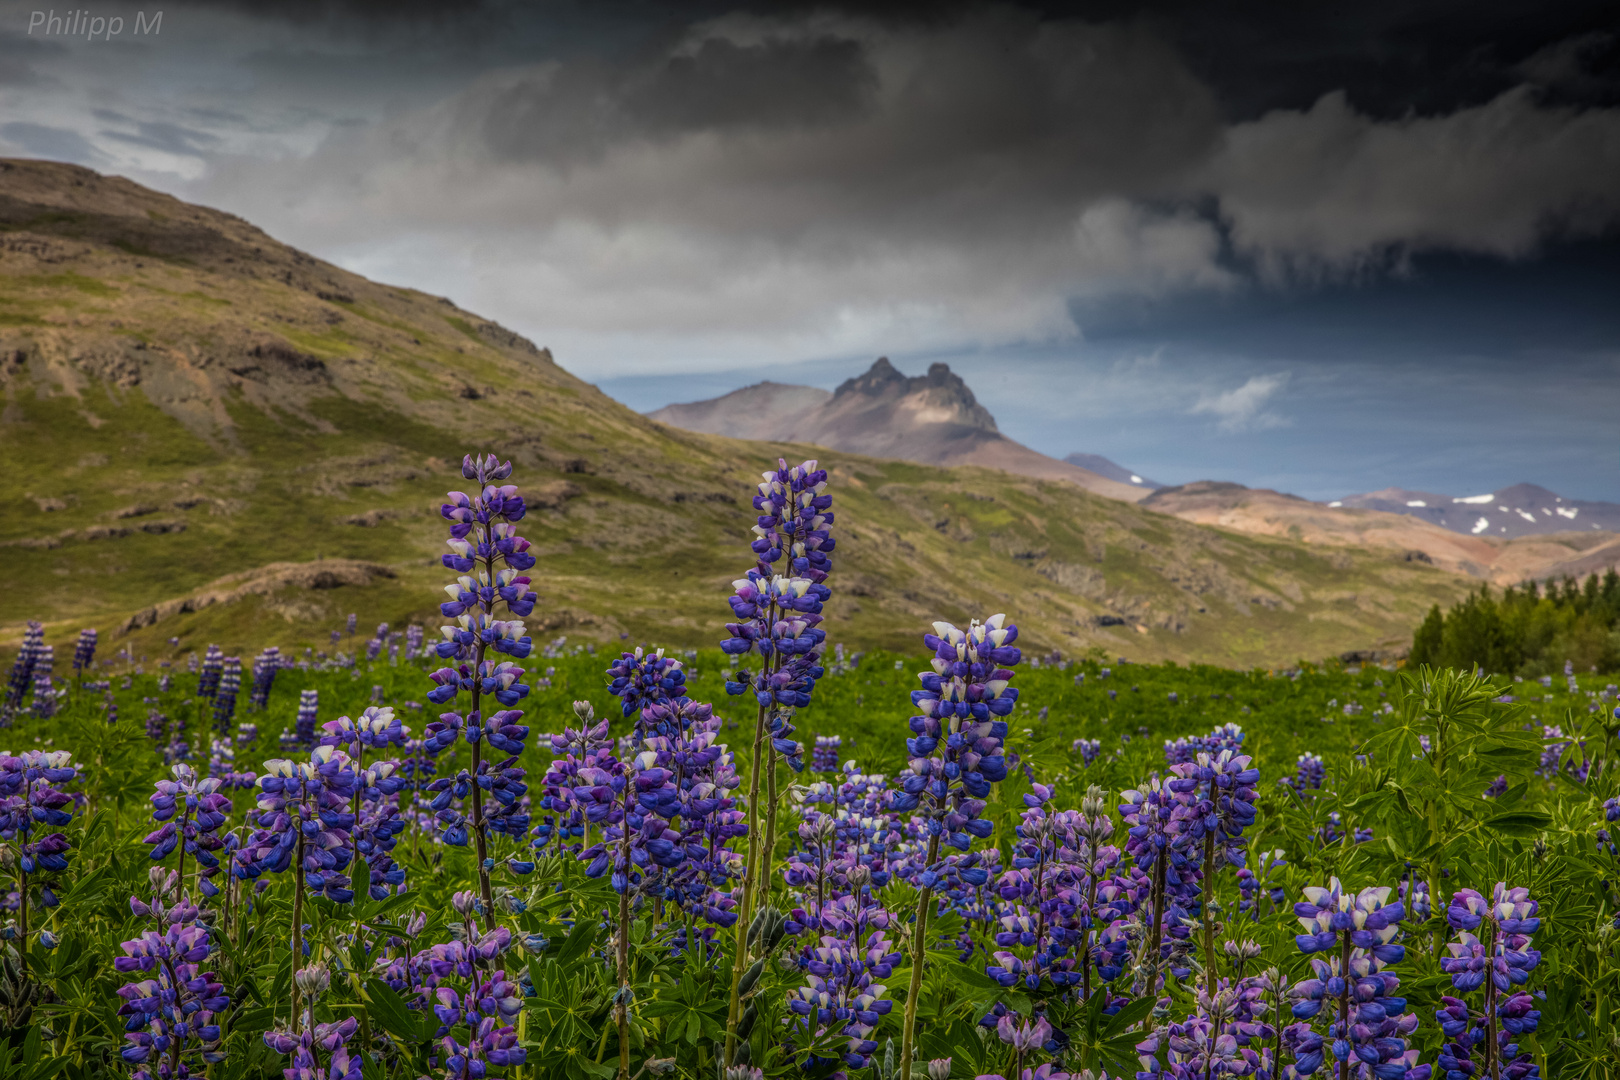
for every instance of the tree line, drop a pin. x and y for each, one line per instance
(1527, 630)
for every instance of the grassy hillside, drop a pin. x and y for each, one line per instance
(209, 435)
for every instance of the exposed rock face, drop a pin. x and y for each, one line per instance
(932, 418)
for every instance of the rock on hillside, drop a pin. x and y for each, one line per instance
(933, 419)
(211, 436)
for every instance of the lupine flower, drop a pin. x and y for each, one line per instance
(1497, 958)
(308, 800)
(44, 687)
(29, 798)
(475, 1031)
(172, 1004)
(21, 679)
(230, 682)
(213, 668)
(192, 812)
(265, 667)
(780, 614)
(1186, 749)
(1309, 774)
(956, 749)
(1359, 931)
(842, 968)
(824, 757)
(84, 653)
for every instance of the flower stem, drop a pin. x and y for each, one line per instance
(1209, 916)
(919, 943)
(1344, 1005)
(624, 941)
(1155, 935)
(297, 923)
(745, 907)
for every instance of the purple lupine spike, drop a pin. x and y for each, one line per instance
(84, 653)
(308, 800)
(230, 683)
(172, 1005)
(213, 667)
(44, 704)
(1358, 933)
(844, 959)
(309, 705)
(824, 757)
(30, 798)
(265, 667)
(21, 680)
(192, 812)
(780, 615)
(1492, 952)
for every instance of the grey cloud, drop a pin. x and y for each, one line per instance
(563, 113)
(1331, 189)
(167, 137)
(19, 57)
(41, 140)
(1584, 64)
(824, 184)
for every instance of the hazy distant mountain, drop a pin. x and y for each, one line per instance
(1103, 467)
(1495, 556)
(1520, 510)
(933, 419)
(761, 411)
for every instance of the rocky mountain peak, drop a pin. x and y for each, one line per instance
(939, 397)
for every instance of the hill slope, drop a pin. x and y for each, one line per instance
(212, 436)
(932, 419)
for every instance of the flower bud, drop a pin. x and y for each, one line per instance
(585, 711)
(313, 981)
(939, 1069)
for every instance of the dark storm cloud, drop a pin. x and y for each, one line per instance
(776, 180)
(565, 112)
(991, 122)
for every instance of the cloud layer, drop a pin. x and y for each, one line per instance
(760, 188)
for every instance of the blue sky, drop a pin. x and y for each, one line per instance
(1321, 251)
(1460, 375)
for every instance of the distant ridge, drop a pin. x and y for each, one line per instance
(1510, 512)
(931, 418)
(1103, 467)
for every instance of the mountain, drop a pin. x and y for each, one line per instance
(933, 419)
(1511, 512)
(1105, 468)
(1504, 561)
(765, 410)
(212, 437)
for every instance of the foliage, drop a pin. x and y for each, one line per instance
(1528, 630)
(1038, 932)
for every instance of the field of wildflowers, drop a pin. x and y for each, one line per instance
(456, 852)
